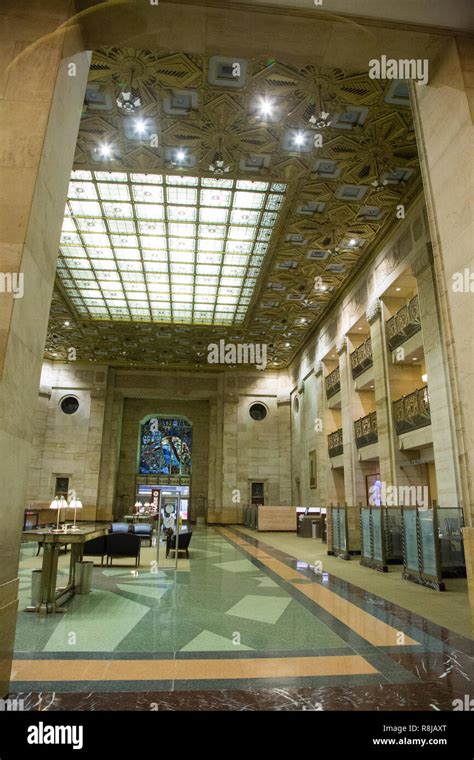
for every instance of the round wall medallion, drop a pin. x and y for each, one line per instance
(69, 404)
(258, 411)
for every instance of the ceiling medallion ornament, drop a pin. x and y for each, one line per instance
(218, 165)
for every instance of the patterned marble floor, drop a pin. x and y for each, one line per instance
(240, 625)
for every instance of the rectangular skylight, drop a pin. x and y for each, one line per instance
(142, 247)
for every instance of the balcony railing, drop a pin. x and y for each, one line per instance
(335, 446)
(333, 383)
(361, 358)
(412, 412)
(405, 323)
(366, 430)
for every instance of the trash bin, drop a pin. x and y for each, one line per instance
(83, 577)
(35, 588)
(314, 528)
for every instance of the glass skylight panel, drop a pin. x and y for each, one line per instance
(214, 215)
(181, 195)
(82, 190)
(91, 225)
(121, 227)
(174, 179)
(147, 179)
(110, 176)
(181, 214)
(113, 192)
(117, 210)
(143, 247)
(249, 200)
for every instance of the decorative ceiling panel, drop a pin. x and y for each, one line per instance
(342, 155)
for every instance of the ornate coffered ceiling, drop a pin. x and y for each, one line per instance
(200, 113)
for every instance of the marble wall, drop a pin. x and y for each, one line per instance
(97, 446)
(40, 108)
(68, 445)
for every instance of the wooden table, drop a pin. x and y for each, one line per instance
(51, 598)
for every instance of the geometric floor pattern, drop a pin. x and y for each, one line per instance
(239, 623)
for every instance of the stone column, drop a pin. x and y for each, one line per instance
(231, 509)
(211, 490)
(348, 437)
(442, 421)
(387, 438)
(446, 152)
(284, 449)
(40, 109)
(322, 453)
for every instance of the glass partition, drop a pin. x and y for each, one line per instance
(380, 535)
(432, 545)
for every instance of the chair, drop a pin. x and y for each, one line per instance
(120, 527)
(183, 543)
(123, 545)
(144, 531)
(96, 547)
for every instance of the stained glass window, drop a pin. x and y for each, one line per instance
(165, 446)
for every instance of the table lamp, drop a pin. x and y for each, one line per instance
(59, 503)
(138, 504)
(75, 504)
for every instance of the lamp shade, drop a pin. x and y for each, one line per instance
(75, 504)
(59, 502)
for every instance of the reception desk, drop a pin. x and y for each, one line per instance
(276, 518)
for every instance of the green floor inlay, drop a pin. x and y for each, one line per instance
(91, 627)
(265, 609)
(151, 591)
(237, 566)
(207, 641)
(202, 609)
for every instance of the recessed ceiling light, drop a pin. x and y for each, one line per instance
(180, 155)
(140, 126)
(371, 386)
(266, 107)
(360, 328)
(105, 150)
(299, 138)
(397, 289)
(67, 323)
(415, 358)
(287, 345)
(352, 242)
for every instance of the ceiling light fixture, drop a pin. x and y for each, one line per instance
(105, 150)
(266, 107)
(299, 139)
(380, 182)
(218, 165)
(397, 289)
(129, 100)
(140, 126)
(424, 378)
(320, 118)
